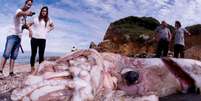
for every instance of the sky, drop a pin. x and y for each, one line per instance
(78, 22)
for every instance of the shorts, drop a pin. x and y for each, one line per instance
(12, 47)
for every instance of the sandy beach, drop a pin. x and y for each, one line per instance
(8, 83)
(18, 68)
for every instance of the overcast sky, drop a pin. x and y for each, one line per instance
(78, 22)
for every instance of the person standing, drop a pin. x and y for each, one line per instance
(163, 37)
(40, 27)
(179, 42)
(14, 39)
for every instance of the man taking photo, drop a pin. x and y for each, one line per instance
(14, 39)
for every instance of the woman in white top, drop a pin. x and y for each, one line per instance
(40, 27)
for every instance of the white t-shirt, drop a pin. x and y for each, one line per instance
(17, 24)
(39, 29)
(163, 32)
(179, 37)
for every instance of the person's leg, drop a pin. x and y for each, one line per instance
(159, 49)
(165, 48)
(12, 62)
(42, 50)
(33, 53)
(176, 51)
(14, 54)
(3, 62)
(7, 52)
(181, 51)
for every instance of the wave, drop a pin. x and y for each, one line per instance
(24, 58)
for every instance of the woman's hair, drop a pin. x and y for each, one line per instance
(45, 18)
(178, 23)
(131, 77)
(28, 1)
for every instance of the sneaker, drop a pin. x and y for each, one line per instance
(11, 74)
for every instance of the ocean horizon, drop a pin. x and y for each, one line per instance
(24, 58)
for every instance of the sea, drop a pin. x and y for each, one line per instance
(24, 58)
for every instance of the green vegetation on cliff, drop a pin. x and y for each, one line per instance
(133, 35)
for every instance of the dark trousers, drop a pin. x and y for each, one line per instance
(178, 50)
(162, 48)
(37, 44)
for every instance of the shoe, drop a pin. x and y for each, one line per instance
(11, 74)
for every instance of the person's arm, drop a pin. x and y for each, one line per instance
(30, 32)
(30, 24)
(169, 35)
(187, 32)
(156, 36)
(50, 26)
(24, 13)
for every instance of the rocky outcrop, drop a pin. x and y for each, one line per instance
(131, 36)
(193, 53)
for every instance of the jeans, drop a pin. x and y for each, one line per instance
(162, 48)
(12, 47)
(178, 50)
(35, 44)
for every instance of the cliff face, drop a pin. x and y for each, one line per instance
(134, 35)
(130, 28)
(193, 53)
(195, 38)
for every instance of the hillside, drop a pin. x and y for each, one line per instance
(132, 36)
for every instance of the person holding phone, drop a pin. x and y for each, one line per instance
(14, 39)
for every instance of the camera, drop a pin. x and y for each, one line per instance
(33, 13)
(24, 27)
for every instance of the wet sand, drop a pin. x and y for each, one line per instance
(8, 83)
(19, 68)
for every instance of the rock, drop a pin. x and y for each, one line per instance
(193, 53)
(134, 35)
(92, 45)
(130, 36)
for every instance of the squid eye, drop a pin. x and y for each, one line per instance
(131, 77)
